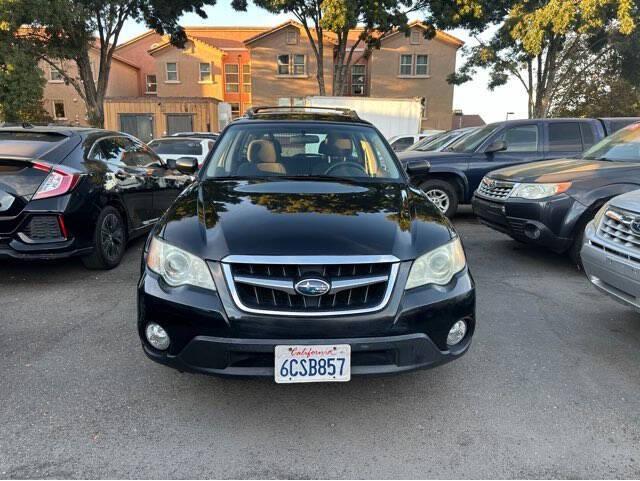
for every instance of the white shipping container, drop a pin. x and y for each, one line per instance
(390, 116)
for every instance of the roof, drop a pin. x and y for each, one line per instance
(68, 131)
(440, 35)
(277, 28)
(462, 121)
(310, 114)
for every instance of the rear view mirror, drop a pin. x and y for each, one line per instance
(497, 146)
(187, 165)
(418, 167)
(171, 164)
(304, 139)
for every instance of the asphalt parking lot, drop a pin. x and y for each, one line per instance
(550, 388)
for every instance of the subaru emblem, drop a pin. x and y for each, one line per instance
(312, 287)
(635, 226)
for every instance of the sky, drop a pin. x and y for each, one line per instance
(472, 98)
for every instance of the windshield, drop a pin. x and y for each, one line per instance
(622, 146)
(302, 150)
(427, 140)
(176, 147)
(471, 142)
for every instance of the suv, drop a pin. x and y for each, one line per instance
(301, 252)
(85, 192)
(456, 172)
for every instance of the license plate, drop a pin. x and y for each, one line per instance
(326, 363)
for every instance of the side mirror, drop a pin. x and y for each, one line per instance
(171, 164)
(187, 165)
(497, 146)
(415, 167)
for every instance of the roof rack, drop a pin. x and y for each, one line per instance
(253, 111)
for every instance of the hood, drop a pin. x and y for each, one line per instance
(562, 170)
(629, 201)
(431, 156)
(213, 219)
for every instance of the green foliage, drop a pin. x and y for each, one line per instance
(21, 86)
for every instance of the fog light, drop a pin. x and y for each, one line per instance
(457, 332)
(157, 336)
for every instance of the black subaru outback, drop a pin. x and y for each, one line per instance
(301, 252)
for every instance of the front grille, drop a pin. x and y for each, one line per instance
(355, 286)
(43, 228)
(620, 228)
(495, 189)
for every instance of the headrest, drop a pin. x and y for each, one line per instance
(262, 152)
(343, 143)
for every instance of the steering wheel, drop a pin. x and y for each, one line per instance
(352, 165)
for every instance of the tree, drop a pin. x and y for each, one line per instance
(541, 42)
(21, 85)
(321, 18)
(69, 29)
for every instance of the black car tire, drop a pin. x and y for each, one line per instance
(576, 245)
(442, 194)
(109, 240)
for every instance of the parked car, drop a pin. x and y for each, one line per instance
(400, 142)
(172, 149)
(611, 249)
(78, 192)
(456, 173)
(198, 135)
(550, 203)
(438, 142)
(308, 263)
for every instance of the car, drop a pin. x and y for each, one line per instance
(550, 203)
(197, 135)
(302, 253)
(68, 191)
(611, 249)
(438, 142)
(401, 142)
(174, 148)
(456, 173)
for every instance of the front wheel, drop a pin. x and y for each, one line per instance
(109, 240)
(442, 194)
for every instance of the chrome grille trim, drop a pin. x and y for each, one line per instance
(495, 189)
(286, 284)
(615, 227)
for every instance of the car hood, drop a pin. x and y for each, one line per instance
(563, 170)
(431, 156)
(217, 218)
(629, 201)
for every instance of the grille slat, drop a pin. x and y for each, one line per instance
(495, 189)
(362, 286)
(616, 228)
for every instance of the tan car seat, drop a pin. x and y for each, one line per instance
(264, 156)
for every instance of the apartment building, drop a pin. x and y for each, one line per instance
(245, 66)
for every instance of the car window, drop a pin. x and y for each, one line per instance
(109, 150)
(178, 147)
(139, 155)
(469, 143)
(623, 146)
(521, 138)
(302, 149)
(565, 137)
(588, 137)
(402, 143)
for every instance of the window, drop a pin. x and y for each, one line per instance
(151, 84)
(292, 37)
(422, 65)
(414, 65)
(402, 143)
(358, 76)
(588, 138)
(205, 72)
(235, 110)
(172, 72)
(415, 37)
(565, 137)
(58, 110)
(523, 138)
(406, 64)
(231, 77)
(55, 75)
(294, 64)
(246, 78)
(303, 149)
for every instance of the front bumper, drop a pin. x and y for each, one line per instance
(546, 222)
(214, 337)
(611, 268)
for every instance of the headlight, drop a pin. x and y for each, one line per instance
(438, 266)
(178, 267)
(539, 191)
